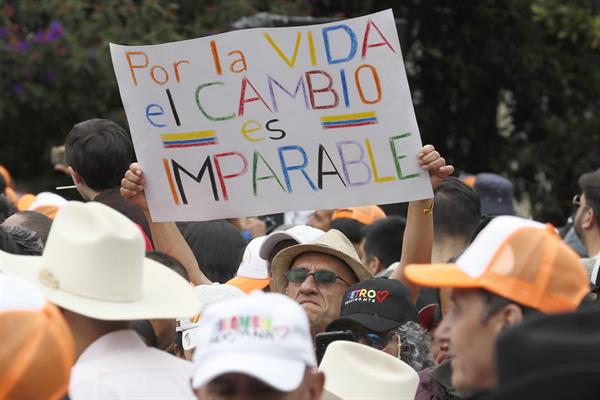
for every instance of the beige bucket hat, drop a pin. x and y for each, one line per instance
(94, 264)
(334, 243)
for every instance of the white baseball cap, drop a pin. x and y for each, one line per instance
(262, 335)
(300, 233)
(207, 295)
(253, 272)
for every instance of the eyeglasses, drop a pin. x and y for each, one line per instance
(577, 200)
(322, 276)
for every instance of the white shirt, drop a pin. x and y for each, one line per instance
(119, 365)
(596, 270)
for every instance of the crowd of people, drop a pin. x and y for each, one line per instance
(459, 299)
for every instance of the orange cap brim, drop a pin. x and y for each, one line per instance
(25, 202)
(247, 285)
(439, 276)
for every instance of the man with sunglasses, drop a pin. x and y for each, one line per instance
(379, 313)
(316, 276)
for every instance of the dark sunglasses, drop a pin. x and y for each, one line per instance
(375, 340)
(322, 276)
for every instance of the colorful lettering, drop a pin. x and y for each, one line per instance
(353, 43)
(217, 161)
(322, 172)
(241, 59)
(201, 108)
(206, 167)
(255, 126)
(301, 167)
(151, 113)
(257, 156)
(359, 160)
(327, 88)
(366, 44)
(244, 100)
(289, 62)
(374, 167)
(132, 67)
(397, 157)
(299, 85)
(375, 79)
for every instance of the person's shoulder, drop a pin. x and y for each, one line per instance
(169, 360)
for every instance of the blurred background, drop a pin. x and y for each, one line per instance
(511, 87)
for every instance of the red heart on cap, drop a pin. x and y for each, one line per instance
(382, 295)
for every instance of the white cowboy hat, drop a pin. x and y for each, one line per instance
(334, 243)
(354, 371)
(94, 264)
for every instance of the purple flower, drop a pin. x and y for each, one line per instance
(50, 75)
(18, 88)
(4, 32)
(41, 37)
(23, 46)
(55, 31)
(91, 55)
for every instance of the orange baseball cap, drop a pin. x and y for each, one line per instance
(37, 345)
(521, 260)
(364, 214)
(25, 201)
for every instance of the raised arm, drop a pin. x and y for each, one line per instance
(165, 235)
(418, 234)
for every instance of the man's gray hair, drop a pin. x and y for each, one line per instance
(27, 241)
(414, 345)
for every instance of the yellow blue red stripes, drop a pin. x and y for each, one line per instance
(348, 120)
(189, 139)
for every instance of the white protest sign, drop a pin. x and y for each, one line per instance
(276, 119)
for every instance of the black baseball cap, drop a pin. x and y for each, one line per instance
(378, 304)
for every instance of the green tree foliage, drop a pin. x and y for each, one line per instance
(504, 86)
(56, 67)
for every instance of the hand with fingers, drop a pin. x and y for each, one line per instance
(431, 160)
(132, 186)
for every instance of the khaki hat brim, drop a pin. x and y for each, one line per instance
(283, 260)
(165, 293)
(440, 276)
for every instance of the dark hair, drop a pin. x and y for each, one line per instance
(383, 239)
(590, 186)
(217, 245)
(349, 227)
(27, 242)
(7, 243)
(7, 208)
(37, 222)
(168, 261)
(146, 332)
(494, 303)
(2, 184)
(457, 210)
(480, 226)
(100, 151)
